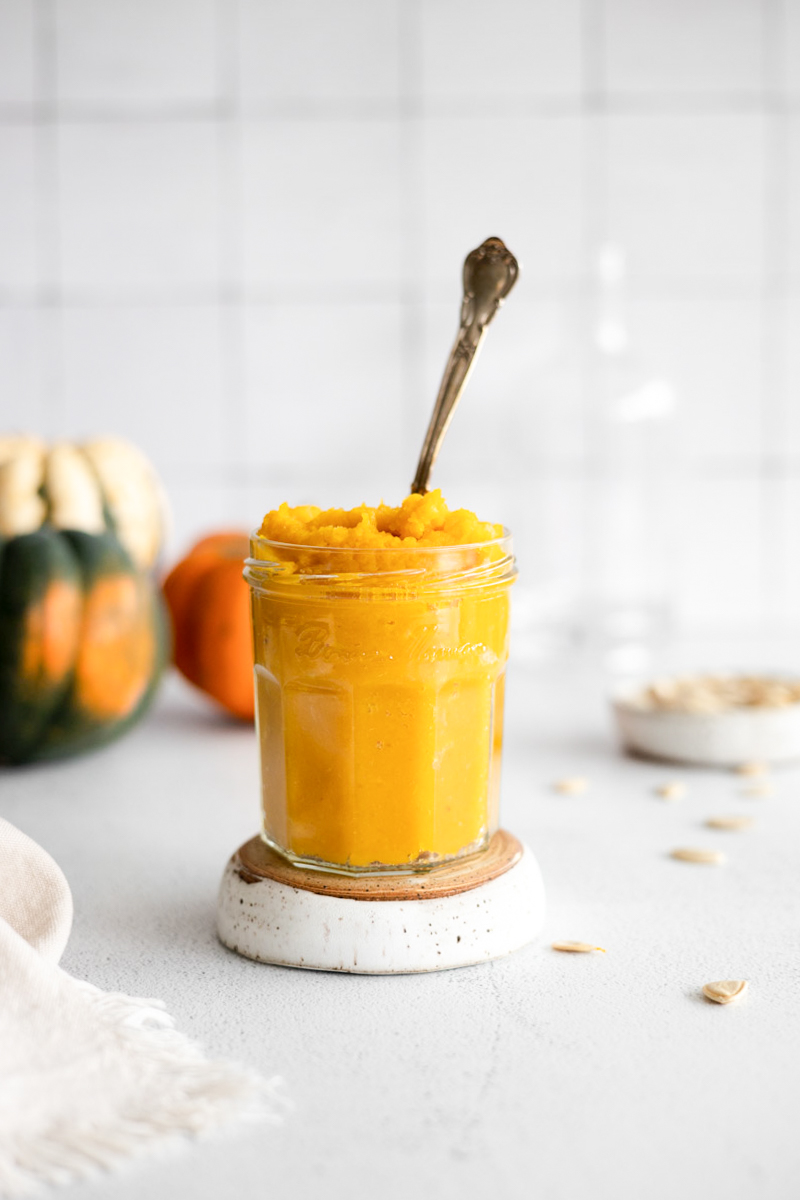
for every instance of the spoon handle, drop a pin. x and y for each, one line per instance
(490, 272)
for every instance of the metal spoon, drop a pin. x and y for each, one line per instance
(490, 272)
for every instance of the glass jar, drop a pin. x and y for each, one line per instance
(633, 459)
(379, 677)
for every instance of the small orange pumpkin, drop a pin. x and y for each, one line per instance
(210, 606)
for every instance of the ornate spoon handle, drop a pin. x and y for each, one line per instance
(490, 272)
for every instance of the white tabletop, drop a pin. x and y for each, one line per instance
(545, 1076)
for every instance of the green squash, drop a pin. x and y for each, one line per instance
(83, 631)
(83, 642)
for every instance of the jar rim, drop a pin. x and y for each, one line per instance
(437, 568)
(306, 547)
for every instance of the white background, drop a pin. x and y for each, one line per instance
(233, 231)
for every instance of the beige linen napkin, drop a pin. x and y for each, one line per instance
(87, 1077)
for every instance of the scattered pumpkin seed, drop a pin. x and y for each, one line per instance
(577, 947)
(725, 990)
(732, 823)
(759, 789)
(698, 855)
(752, 769)
(573, 785)
(671, 791)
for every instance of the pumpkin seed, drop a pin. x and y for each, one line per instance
(577, 947)
(725, 990)
(732, 823)
(759, 789)
(697, 855)
(718, 693)
(671, 791)
(752, 769)
(573, 785)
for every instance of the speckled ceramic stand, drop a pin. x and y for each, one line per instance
(453, 916)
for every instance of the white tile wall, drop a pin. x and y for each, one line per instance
(17, 83)
(157, 369)
(691, 47)
(18, 249)
(323, 383)
(306, 51)
(321, 206)
(514, 52)
(787, 439)
(789, 46)
(792, 250)
(686, 196)
(524, 407)
(23, 353)
(517, 177)
(204, 505)
(136, 54)
(711, 349)
(720, 576)
(138, 207)
(782, 568)
(233, 230)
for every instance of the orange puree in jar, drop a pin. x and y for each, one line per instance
(381, 640)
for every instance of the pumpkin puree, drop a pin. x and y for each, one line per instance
(419, 521)
(379, 681)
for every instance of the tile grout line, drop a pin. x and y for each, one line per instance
(48, 217)
(411, 292)
(772, 309)
(437, 291)
(230, 290)
(594, 186)
(547, 469)
(634, 104)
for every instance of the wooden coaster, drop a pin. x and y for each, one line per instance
(256, 861)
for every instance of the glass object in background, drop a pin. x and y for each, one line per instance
(380, 680)
(542, 452)
(631, 486)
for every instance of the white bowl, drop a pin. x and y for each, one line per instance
(724, 739)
